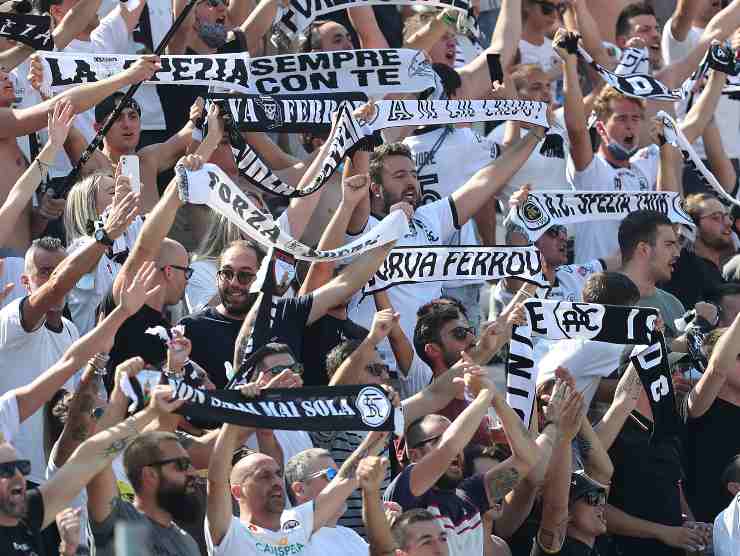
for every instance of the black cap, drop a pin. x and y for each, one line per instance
(581, 484)
(109, 104)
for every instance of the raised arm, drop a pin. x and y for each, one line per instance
(98, 452)
(578, 18)
(60, 121)
(682, 19)
(575, 116)
(596, 460)
(433, 30)
(488, 181)
(364, 21)
(668, 178)
(720, 163)
(74, 22)
(258, 24)
(702, 111)
(75, 266)
(629, 390)
(377, 527)
(403, 350)
(432, 466)
(162, 156)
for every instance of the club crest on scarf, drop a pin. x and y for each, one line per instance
(373, 405)
(534, 214)
(579, 320)
(272, 111)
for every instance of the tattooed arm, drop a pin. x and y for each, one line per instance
(95, 454)
(596, 459)
(628, 393)
(334, 495)
(504, 477)
(79, 423)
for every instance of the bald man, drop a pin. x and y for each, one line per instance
(172, 261)
(256, 482)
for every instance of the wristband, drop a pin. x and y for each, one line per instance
(448, 19)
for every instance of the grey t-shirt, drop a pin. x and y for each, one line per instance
(670, 309)
(162, 541)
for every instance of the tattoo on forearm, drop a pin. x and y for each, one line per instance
(117, 446)
(349, 469)
(586, 447)
(502, 482)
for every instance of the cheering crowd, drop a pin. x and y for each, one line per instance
(419, 278)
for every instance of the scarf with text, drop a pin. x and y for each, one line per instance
(324, 408)
(298, 14)
(212, 187)
(675, 137)
(541, 210)
(651, 364)
(560, 320)
(632, 61)
(31, 30)
(407, 265)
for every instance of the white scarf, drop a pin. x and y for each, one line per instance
(212, 187)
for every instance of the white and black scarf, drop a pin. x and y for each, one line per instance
(542, 209)
(407, 265)
(560, 320)
(31, 30)
(211, 186)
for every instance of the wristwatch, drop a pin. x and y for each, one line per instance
(102, 236)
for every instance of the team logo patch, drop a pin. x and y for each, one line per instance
(290, 525)
(272, 110)
(579, 319)
(373, 405)
(533, 214)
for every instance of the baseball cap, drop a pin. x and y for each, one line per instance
(109, 104)
(581, 484)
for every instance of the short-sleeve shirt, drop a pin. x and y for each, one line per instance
(337, 541)
(694, 279)
(726, 532)
(10, 420)
(289, 320)
(163, 541)
(597, 238)
(319, 339)
(25, 538)
(458, 511)
(670, 309)
(296, 527)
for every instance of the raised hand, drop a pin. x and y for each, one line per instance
(215, 123)
(520, 197)
(140, 289)
(196, 110)
(371, 472)
(286, 379)
(161, 400)
(570, 418)
(192, 162)
(365, 113)
(36, 72)
(383, 323)
(144, 68)
(555, 404)
(68, 523)
(130, 368)
(355, 189)
(59, 122)
(475, 378)
(407, 209)
(560, 41)
(122, 213)
(51, 208)
(178, 350)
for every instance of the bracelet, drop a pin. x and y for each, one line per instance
(43, 168)
(448, 19)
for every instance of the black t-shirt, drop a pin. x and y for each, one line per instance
(289, 319)
(645, 484)
(694, 279)
(213, 337)
(177, 100)
(25, 538)
(712, 442)
(131, 339)
(571, 547)
(319, 339)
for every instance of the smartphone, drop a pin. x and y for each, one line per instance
(494, 67)
(130, 169)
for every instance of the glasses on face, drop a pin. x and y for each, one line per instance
(8, 468)
(329, 473)
(461, 332)
(594, 498)
(557, 231)
(216, 3)
(548, 8)
(243, 277)
(182, 463)
(378, 369)
(719, 216)
(186, 269)
(297, 368)
(427, 441)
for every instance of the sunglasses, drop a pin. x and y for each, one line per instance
(297, 368)
(548, 9)
(216, 3)
(427, 441)
(186, 269)
(243, 277)
(8, 468)
(329, 473)
(378, 369)
(594, 498)
(461, 332)
(182, 463)
(557, 230)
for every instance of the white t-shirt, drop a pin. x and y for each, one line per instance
(466, 50)
(543, 55)
(419, 377)
(336, 541)
(202, 284)
(291, 442)
(25, 356)
(444, 170)
(726, 533)
(598, 238)
(727, 114)
(12, 271)
(432, 225)
(296, 526)
(545, 168)
(10, 419)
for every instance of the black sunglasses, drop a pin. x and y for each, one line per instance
(378, 369)
(461, 332)
(548, 9)
(186, 269)
(215, 3)
(426, 441)
(595, 498)
(243, 277)
(182, 463)
(557, 230)
(297, 368)
(7, 469)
